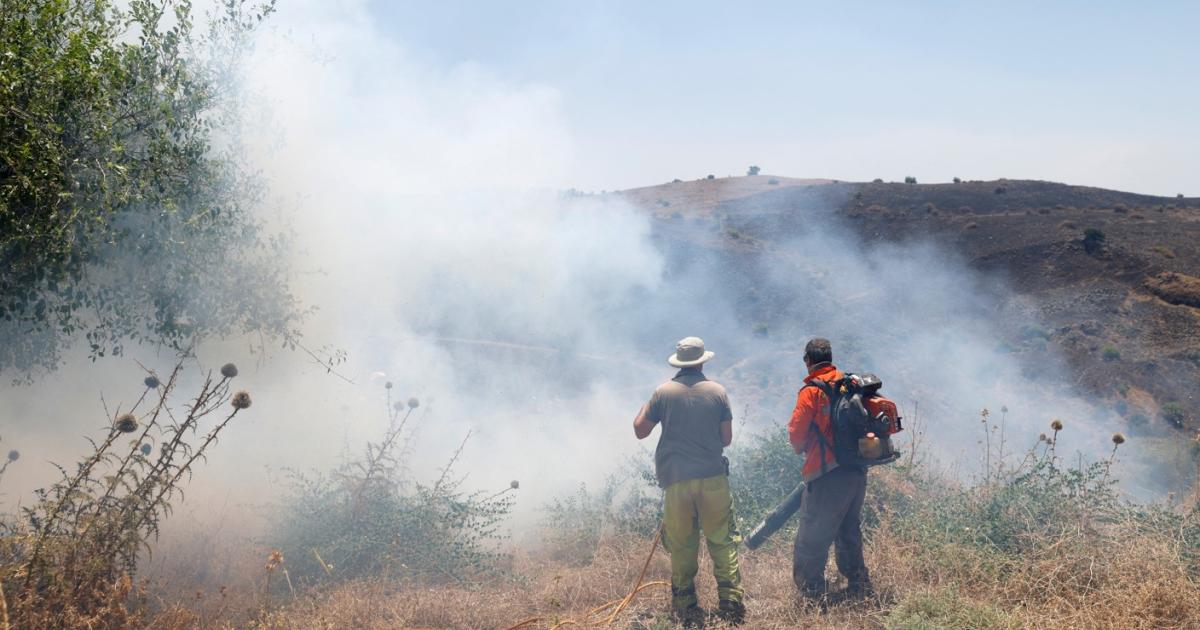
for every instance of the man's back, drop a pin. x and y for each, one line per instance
(690, 409)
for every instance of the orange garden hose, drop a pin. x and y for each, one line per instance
(620, 604)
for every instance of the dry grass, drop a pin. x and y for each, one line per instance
(1036, 543)
(1067, 582)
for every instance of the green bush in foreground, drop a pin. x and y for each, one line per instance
(371, 517)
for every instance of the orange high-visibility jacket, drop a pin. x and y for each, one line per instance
(812, 407)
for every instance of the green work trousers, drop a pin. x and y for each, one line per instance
(690, 507)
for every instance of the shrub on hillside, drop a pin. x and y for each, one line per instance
(910, 180)
(1174, 413)
(1093, 240)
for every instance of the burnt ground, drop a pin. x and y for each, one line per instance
(1125, 312)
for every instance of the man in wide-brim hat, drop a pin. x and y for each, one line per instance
(697, 425)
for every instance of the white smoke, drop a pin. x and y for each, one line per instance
(432, 241)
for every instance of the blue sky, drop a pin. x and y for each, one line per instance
(1096, 93)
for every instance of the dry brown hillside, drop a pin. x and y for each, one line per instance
(1124, 310)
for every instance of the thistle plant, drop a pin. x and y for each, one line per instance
(81, 541)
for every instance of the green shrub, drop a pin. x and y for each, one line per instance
(1031, 332)
(753, 170)
(910, 180)
(1174, 413)
(1111, 353)
(763, 469)
(370, 517)
(627, 504)
(773, 182)
(946, 609)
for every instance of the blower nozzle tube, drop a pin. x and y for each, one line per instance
(776, 518)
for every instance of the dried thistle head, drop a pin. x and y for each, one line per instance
(274, 559)
(14, 455)
(1118, 439)
(387, 385)
(1056, 424)
(229, 370)
(398, 406)
(151, 382)
(126, 423)
(146, 448)
(241, 400)
(1003, 408)
(984, 413)
(1042, 437)
(413, 403)
(514, 484)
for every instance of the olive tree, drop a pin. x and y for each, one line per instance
(125, 207)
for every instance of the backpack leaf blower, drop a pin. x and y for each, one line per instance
(776, 518)
(862, 422)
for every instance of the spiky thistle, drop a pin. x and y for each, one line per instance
(126, 423)
(241, 400)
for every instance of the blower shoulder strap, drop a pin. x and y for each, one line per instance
(813, 429)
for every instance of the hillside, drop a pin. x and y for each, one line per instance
(1124, 311)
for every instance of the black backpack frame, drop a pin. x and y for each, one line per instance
(849, 420)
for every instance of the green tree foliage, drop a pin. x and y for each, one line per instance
(910, 180)
(123, 204)
(753, 170)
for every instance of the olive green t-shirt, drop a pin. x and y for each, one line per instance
(690, 409)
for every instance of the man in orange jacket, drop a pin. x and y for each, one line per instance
(831, 511)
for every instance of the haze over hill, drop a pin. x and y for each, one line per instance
(1123, 310)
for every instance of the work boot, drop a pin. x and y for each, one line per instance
(690, 617)
(814, 595)
(731, 612)
(855, 591)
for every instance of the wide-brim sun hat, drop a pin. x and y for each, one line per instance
(690, 352)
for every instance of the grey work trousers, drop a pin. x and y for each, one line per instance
(831, 513)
